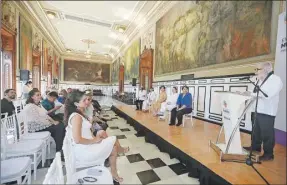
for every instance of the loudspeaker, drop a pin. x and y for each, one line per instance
(134, 82)
(24, 75)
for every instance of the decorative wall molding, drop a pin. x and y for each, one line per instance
(27, 9)
(36, 41)
(8, 13)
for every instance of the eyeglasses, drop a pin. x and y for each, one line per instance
(257, 69)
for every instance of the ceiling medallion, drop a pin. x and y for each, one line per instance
(88, 53)
(51, 14)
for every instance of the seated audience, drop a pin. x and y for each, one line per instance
(87, 147)
(49, 105)
(183, 106)
(62, 96)
(98, 125)
(141, 97)
(170, 103)
(150, 99)
(69, 90)
(6, 103)
(155, 107)
(38, 120)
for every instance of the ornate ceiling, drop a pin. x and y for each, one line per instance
(95, 20)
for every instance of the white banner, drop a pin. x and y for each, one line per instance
(280, 70)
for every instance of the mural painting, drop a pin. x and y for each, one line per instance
(193, 35)
(25, 41)
(81, 71)
(131, 61)
(115, 70)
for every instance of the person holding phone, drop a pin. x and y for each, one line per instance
(183, 106)
(49, 105)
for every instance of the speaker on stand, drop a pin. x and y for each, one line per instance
(134, 84)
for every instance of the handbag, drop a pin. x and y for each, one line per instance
(104, 126)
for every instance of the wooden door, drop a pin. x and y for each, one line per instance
(8, 60)
(146, 69)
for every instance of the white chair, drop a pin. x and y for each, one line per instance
(185, 116)
(104, 176)
(45, 136)
(18, 106)
(80, 164)
(55, 172)
(33, 148)
(13, 169)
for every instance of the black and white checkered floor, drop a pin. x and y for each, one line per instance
(143, 164)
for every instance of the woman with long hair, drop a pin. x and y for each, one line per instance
(155, 107)
(96, 127)
(38, 120)
(62, 96)
(87, 147)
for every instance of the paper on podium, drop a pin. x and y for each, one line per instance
(231, 105)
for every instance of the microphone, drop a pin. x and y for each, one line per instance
(244, 78)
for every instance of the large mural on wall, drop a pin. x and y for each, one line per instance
(194, 35)
(25, 42)
(81, 71)
(131, 61)
(115, 70)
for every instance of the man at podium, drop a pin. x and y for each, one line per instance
(271, 85)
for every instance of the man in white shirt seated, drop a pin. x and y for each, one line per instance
(151, 97)
(169, 104)
(271, 85)
(141, 97)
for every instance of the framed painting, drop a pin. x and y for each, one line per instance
(81, 71)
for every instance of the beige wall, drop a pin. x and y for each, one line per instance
(238, 66)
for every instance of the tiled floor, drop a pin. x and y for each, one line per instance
(143, 164)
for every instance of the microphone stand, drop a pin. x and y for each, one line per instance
(249, 161)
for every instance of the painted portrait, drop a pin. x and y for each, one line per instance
(82, 71)
(193, 35)
(131, 61)
(25, 42)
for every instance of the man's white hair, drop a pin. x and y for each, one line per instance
(267, 66)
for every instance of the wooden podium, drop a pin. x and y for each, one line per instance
(233, 110)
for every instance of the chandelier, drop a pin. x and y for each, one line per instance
(88, 53)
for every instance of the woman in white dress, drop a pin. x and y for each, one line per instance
(151, 97)
(87, 147)
(170, 103)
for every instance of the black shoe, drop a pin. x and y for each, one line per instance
(171, 124)
(248, 148)
(178, 124)
(266, 158)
